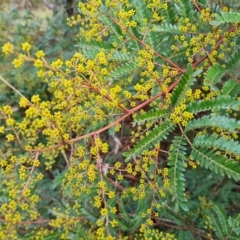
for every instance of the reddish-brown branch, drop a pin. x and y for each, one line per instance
(130, 112)
(196, 6)
(90, 86)
(215, 47)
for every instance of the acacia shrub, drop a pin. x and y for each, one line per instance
(149, 100)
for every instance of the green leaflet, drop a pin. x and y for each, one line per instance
(90, 53)
(221, 219)
(222, 122)
(152, 40)
(88, 214)
(180, 56)
(231, 88)
(180, 90)
(116, 56)
(234, 224)
(234, 60)
(157, 134)
(150, 116)
(135, 223)
(217, 163)
(94, 45)
(124, 226)
(224, 228)
(123, 210)
(214, 74)
(220, 102)
(176, 163)
(217, 227)
(116, 31)
(215, 141)
(167, 28)
(120, 56)
(226, 17)
(124, 70)
(169, 14)
(185, 8)
(215, 8)
(142, 12)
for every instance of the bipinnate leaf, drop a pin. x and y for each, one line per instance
(154, 137)
(176, 163)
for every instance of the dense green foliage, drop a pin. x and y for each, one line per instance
(122, 122)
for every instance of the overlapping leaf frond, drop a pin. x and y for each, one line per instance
(219, 220)
(120, 56)
(180, 56)
(234, 225)
(94, 45)
(116, 31)
(123, 70)
(215, 8)
(231, 88)
(150, 116)
(214, 141)
(169, 13)
(226, 17)
(181, 89)
(234, 60)
(229, 124)
(152, 40)
(186, 8)
(215, 162)
(167, 28)
(220, 102)
(157, 134)
(142, 12)
(176, 163)
(214, 74)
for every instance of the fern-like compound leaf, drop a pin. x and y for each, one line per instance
(142, 12)
(167, 28)
(226, 17)
(220, 225)
(216, 8)
(180, 90)
(124, 70)
(217, 163)
(120, 56)
(107, 21)
(214, 74)
(150, 116)
(169, 14)
(176, 163)
(94, 45)
(222, 122)
(220, 102)
(157, 134)
(215, 141)
(234, 60)
(185, 8)
(222, 218)
(231, 88)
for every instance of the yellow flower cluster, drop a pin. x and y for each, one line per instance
(7, 48)
(179, 115)
(26, 46)
(18, 62)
